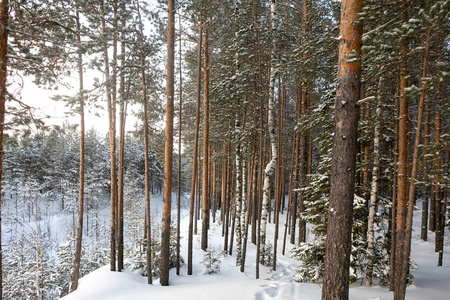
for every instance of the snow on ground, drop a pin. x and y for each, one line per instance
(431, 282)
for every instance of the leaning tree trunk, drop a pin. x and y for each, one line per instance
(342, 183)
(415, 163)
(270, 167)
(168, 149)
(76, 269)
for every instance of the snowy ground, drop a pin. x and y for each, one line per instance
(431, 282)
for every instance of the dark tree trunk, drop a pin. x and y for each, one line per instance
(121, 149)
(342, 184)
(205, 181)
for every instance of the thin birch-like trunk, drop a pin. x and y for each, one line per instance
(270, 167)
(238, 200)
(374, 189)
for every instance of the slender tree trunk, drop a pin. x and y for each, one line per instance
(121, 147)
(342, 181)
(295, 170)
(205, 186)
(401, 262)
(394, 209)
(425, 189)
(238, 200)
(179, 152)
(112, 141)
(415, 163)
(436, 189)
(374, 189)
(223, 191)
(270, 167)
(113, 80)
(4, 19)
(76, 269)
(168, 149)
(148, 223)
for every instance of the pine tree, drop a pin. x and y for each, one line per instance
(337, 251)
(165, 236)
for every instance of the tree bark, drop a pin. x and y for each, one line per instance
(415, 162)
(374, 189)
(179, 152)
(148, 223)
(168, 149)
(401, 262)
(425, 188)
(342, 184)
(205, 181)
(270, 167)
(121, 147)
(76, 269)
(112, 141)
(195, 156)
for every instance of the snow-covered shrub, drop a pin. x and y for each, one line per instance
(211, 260)
(29, 272)
(312, 255)
(137, 254)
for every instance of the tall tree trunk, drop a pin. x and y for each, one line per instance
(270, 167)
(195, 155)
(76, 269)
(342, 183)
(148, 223)
(374, 189)
(113, 80)
(4, 18)
(304, 135)
(205, 181)
(112, 140)
(425, 188)
(168, 149)
(179, 151)
(401, 263)
(392, 222)
(122, 121)
(415, 162)
(238, 199)
(295, 167)
(436, 189)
